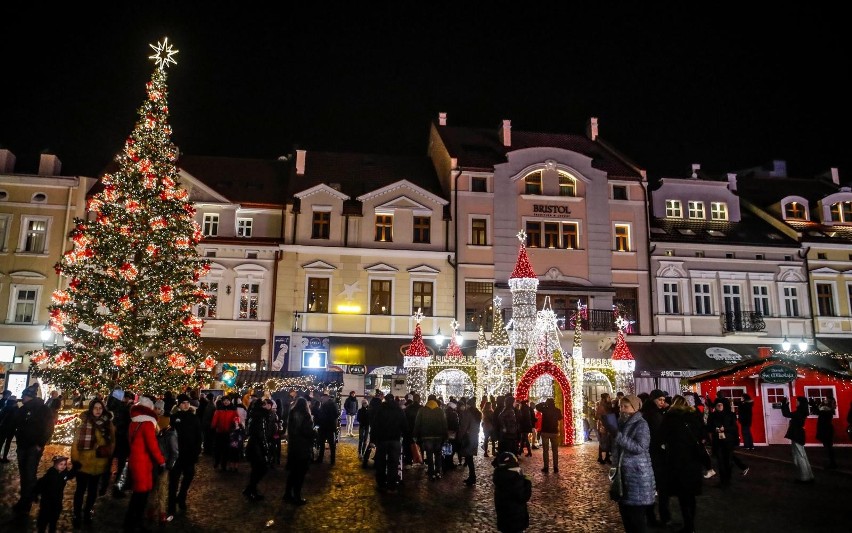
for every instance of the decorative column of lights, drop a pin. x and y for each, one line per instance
(524, 284)
(577, 371)
(622, 360)
(548, 367)
(482, 356)
(548, 348)
(454, 350)
(499, 376)
(416, 359)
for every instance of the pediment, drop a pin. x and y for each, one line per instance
(403, 202)
(322, 188)
(404, 188)
(381, 267)
(27, 274)
(319, 265)
(423, 269)
(824, 270)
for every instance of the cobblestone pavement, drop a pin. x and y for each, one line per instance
(343, 497)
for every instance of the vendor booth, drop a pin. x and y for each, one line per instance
(772, 377)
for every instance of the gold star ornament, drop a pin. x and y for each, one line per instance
(163, 53)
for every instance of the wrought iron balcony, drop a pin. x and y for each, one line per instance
(603, 320)
(742, 321)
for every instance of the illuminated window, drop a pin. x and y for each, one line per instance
(317, 295)
(567, 185)
(718, 211)
(421, 297)
(569, 235)
(244, 227)
(321, 225)
(211, 225)
(702, 299)
(24, 302)
(422, 226)
(825, 299)
(622, 238)
(533, 234)
(841, 212)
(35, 235)
(478, 300)
(696, 209)
(249, 301)
(532, 183)
(208, 309)
(380, 296)
(384, 228)
(551, 235)
(479, 232)
(794, 210)
(674, 209)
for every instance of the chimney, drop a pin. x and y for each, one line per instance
(506, 133)
(835, 175)
(732, 181)
(695, 168)
(300, 161)
(442, 119)
(592, 131)
(49, 165)
(7, 161)
(779, 168)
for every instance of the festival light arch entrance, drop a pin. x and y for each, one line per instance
(550, 368)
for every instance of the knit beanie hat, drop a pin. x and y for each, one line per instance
(634, 401)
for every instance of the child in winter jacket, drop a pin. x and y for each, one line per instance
(51, 488)
(512, 491)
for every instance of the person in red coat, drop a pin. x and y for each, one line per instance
(144, 456)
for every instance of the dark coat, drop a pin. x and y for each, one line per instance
(512, 491)
(258, 449)
(34, 424)
(796, 428)
(363, 416)
(469, 431)
(550, 417)
(508, 423)
(8, 415)
(351, 405)
(745, 413)
(328, 416)
(411, 417)
(300, 438)
(524, 418)
(681, 433)
(825, 427)
(50, 488)
(167, 439)
(431, 423)
(188, 428)
(390, 423)
(726, 420)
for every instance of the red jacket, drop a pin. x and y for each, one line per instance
(144, 450)
(223, 420)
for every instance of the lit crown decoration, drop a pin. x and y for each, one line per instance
(523, 268)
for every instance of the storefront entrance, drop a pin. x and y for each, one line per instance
(775, 423)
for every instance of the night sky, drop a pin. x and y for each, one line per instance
(671, 86)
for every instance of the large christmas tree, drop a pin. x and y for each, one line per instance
(127, 312)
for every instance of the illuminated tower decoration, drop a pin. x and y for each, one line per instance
(453, 349)
(622, 360)
(127, 312)
(524, 284)
(547, 346)
(577, 371)
(499, 335)
(416, 359)
(496, 364)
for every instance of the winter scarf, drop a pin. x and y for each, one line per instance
(86, 439)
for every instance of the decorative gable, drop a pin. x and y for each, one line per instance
(404, 188)
(319, 266)
(381, 267)
(402, 202)
(321, 188)
(423, 269)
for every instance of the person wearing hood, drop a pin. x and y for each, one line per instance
(724, 437)
(91, 455)
(430, 431)
(680, 433)
(512, 491)
(189, 433)
(34, 427)
(145, 456)
(630, 452)
(796, 434)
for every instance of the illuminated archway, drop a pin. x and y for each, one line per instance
(548, 367)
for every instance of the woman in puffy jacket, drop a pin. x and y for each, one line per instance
(91, 453)
(144, 457)
(631, 452)
(222, 424)
(259, 449)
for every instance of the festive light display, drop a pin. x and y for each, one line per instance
(622, 359)
(481, 341)
(67, 422)
(523, 284)
(578, 372)
(304, 383)
(132, 271)
(548, 367)
(229, 375)
(499, 335)
(416, 359)
(454, 350)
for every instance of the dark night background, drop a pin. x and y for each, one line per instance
(670, 84)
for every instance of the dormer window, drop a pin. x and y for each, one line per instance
(567, 185)
(794, 210)
(841, 212)
(718, 211)
(696, 210)
(532, 183)
(674, 209)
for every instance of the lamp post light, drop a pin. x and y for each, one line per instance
(439, 338)
(803, 345)
(785, 344)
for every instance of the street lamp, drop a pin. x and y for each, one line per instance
(803, 345)
(785, 344)
(439, 338)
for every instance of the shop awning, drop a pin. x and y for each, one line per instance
(656, 359)
(838, 345)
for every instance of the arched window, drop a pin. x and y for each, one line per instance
(567, 185)
(533, 183)
(841, 212)
(794, 210)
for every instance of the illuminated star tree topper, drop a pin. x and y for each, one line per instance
(163, 54)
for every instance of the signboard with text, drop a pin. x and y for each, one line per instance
(777, 374)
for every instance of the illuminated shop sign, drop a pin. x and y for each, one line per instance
(314, 358)
(543, 209)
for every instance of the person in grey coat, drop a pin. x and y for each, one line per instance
(630, 450)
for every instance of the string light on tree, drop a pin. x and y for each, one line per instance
(622, 359)
(132, 271)
(416, 359)
(454, 350)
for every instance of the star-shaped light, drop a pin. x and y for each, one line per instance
(163, 54)
(454, 325)
(418, 316)
(349, 290)
(621, 323)
(522, 236)
(498, 302)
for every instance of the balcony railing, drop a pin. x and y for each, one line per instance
(733, 321)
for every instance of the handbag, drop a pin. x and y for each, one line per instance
(447, 449)
(616, 485)
(416, 456)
